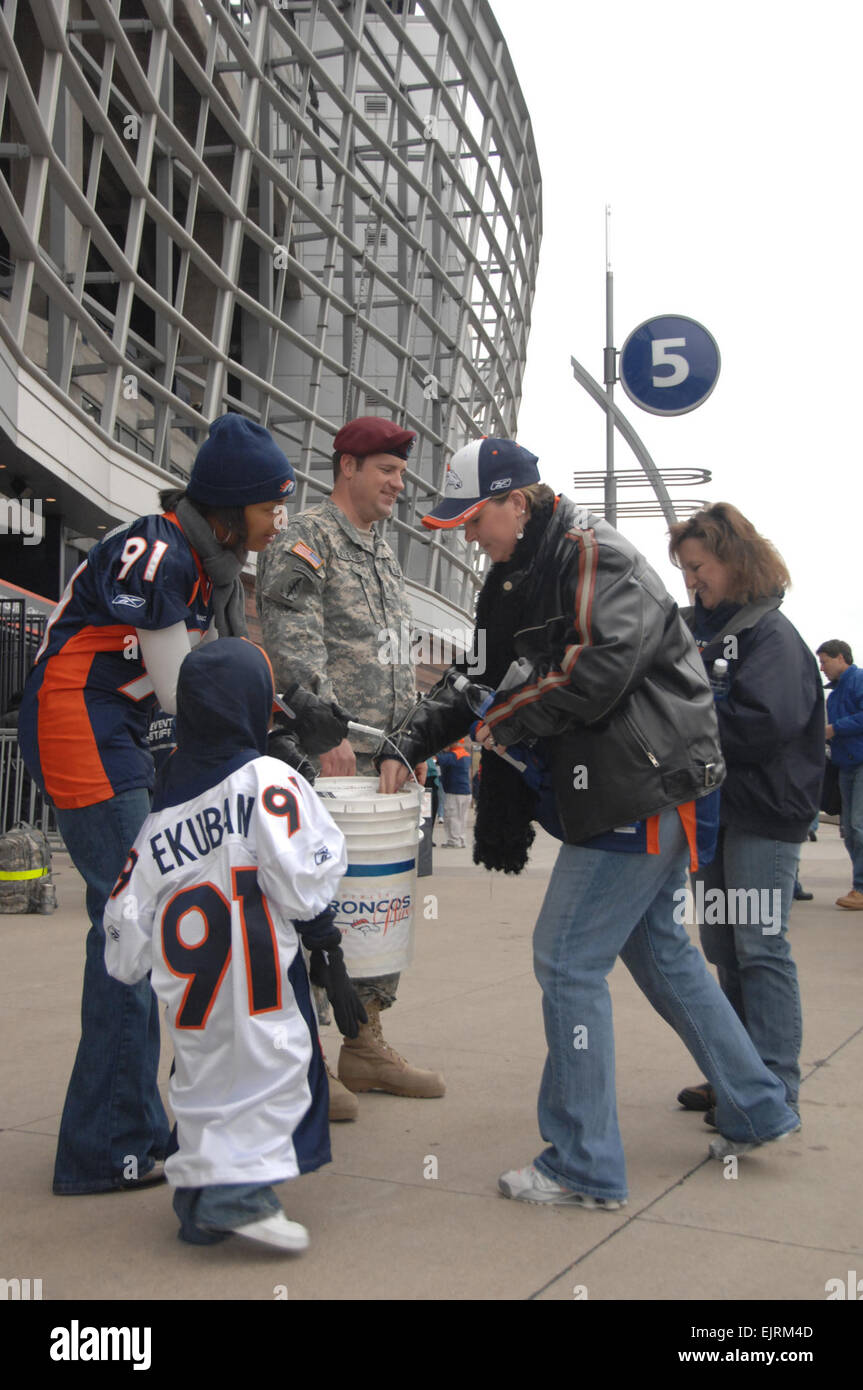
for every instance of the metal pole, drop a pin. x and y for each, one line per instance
(654, 476)
(610, 376)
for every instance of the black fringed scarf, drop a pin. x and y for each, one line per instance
(506, 805)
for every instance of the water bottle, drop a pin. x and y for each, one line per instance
(720, 679)
(478, 698)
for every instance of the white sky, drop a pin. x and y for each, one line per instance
(727, 139)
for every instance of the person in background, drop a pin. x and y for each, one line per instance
(770, 708)
(433, 782)
(845, 735)
(455, 770)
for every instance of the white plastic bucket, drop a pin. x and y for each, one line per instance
(376, 898)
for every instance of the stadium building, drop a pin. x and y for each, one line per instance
(298, 211)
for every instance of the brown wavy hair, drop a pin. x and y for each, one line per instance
(756, 568)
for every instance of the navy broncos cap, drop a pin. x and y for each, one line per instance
(483, 469)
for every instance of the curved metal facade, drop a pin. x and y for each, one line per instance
(300, 211)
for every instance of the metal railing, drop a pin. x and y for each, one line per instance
(20, 635)
(20, 798)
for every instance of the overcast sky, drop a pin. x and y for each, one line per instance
(727, 140)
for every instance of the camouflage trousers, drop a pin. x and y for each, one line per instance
(380, 989)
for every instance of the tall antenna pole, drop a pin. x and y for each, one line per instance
(610, 376)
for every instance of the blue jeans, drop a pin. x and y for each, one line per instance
(753, 959)
(851, 818)
(599, 905)
(209, 1214)
(114, 1125)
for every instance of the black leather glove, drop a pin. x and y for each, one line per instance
(328, 971)
(318, 725)
(440, 718)
(282, 745)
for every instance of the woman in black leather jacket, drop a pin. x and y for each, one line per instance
(592, 664)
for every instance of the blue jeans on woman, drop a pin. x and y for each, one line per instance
(600, 905)
(114, 1125)
(753, 958)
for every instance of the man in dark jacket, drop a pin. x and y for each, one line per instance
(845, 735)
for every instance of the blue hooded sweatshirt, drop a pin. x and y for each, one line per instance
(224, 703)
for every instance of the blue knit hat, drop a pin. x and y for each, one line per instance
(239, 463)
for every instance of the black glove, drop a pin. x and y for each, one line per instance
(440, 718)
(328, 971)
(282, 745)
(318, 725)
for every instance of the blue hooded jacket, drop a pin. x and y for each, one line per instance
(224, 703)
(845, 713)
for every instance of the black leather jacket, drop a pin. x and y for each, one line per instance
(607, 678)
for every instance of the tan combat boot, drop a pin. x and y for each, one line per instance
(368, 1063)
(343, 1106)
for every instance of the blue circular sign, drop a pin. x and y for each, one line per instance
(669, 365)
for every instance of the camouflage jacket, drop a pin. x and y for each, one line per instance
(335, 616)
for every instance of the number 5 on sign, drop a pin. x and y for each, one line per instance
(663, 358)
(669, 365)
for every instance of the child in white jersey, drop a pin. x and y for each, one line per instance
(237, 858)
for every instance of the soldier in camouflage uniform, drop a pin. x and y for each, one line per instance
(334, 612)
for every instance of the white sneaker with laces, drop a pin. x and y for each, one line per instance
(530, 1185)
(276, 1230)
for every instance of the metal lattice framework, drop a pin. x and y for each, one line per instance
(300, 211)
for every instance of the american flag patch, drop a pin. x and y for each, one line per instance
(305, 552)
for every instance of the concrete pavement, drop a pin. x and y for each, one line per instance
(409, 1208)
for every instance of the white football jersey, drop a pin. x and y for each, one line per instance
(205, 901)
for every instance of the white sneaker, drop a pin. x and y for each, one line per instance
(720, 1147)
(530, 1185)
(276, 1230)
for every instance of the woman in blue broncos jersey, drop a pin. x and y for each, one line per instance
(145, 595)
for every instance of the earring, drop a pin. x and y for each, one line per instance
(519, 535)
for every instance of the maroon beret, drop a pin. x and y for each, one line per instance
(371, 434)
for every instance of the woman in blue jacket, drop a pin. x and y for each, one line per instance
(145, 595)
(770, 707)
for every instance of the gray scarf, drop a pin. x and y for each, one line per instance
(222, 565)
